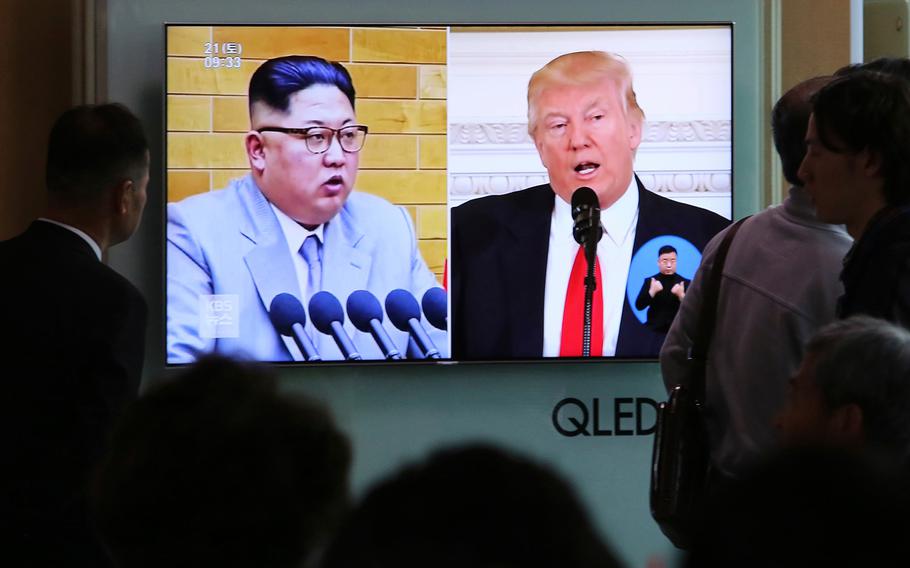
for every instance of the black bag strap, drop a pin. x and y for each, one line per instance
(708, 315)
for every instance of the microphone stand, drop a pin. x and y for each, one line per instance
(587, 232)
(590, 287)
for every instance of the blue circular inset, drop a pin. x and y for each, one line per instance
(644, 265)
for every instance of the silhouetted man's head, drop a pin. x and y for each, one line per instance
(789, 120)
(858, 148)
(474, 506)
(853, 389)
(216, 468)
(98, 159)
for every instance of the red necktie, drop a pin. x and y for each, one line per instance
(573, 313)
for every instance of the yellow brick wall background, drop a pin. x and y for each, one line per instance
(400, 78)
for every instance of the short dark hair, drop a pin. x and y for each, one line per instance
(867, 110)
(277, 79)
(666, 249)
(897, 66)
(92, 147)
(217, 468)
(789, 122)
(474, 505)
(866, 361)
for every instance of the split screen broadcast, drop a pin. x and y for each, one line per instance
(344, 193)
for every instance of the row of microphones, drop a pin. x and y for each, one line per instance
(365, 312)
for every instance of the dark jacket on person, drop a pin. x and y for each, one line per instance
(72, 358)
(876, 273)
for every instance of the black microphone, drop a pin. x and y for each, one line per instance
(328, 317)
(587, 232)
(586, 216)
(404, 312)
(289, 319)
(435, 305)
(366, 315)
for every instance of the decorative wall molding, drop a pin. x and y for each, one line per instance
(687, 181)
(656, 131)
(475, 185)
(489, 133)
(688, 131)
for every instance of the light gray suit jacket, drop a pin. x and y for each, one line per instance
(230, 242)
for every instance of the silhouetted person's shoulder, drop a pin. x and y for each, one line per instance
(61, 297)
(807, 507)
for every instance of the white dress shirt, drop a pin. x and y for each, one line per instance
(614, 251)
(82, 234)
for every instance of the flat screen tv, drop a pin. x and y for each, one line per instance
(357, 193)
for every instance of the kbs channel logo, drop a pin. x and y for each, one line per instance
(219, 316)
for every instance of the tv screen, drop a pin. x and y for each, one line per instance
(382, 193)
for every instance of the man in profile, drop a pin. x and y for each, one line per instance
(779, 285)
(219, 468)
(663, 292)
(515, 264)
(852, 390)
(293, 225)
(857, 171)
(75, 338)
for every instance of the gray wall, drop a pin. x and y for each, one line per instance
(395, 414)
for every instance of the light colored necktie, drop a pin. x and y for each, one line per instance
(310, 251)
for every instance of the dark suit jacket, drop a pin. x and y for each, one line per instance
(663, 306)
(499, 265)
(72, 357)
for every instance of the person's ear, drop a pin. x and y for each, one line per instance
(847, 423)
(255, 150)
(122, 197)
(871, 163)
(635, 127)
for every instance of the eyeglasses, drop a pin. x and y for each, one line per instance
(319, 138)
